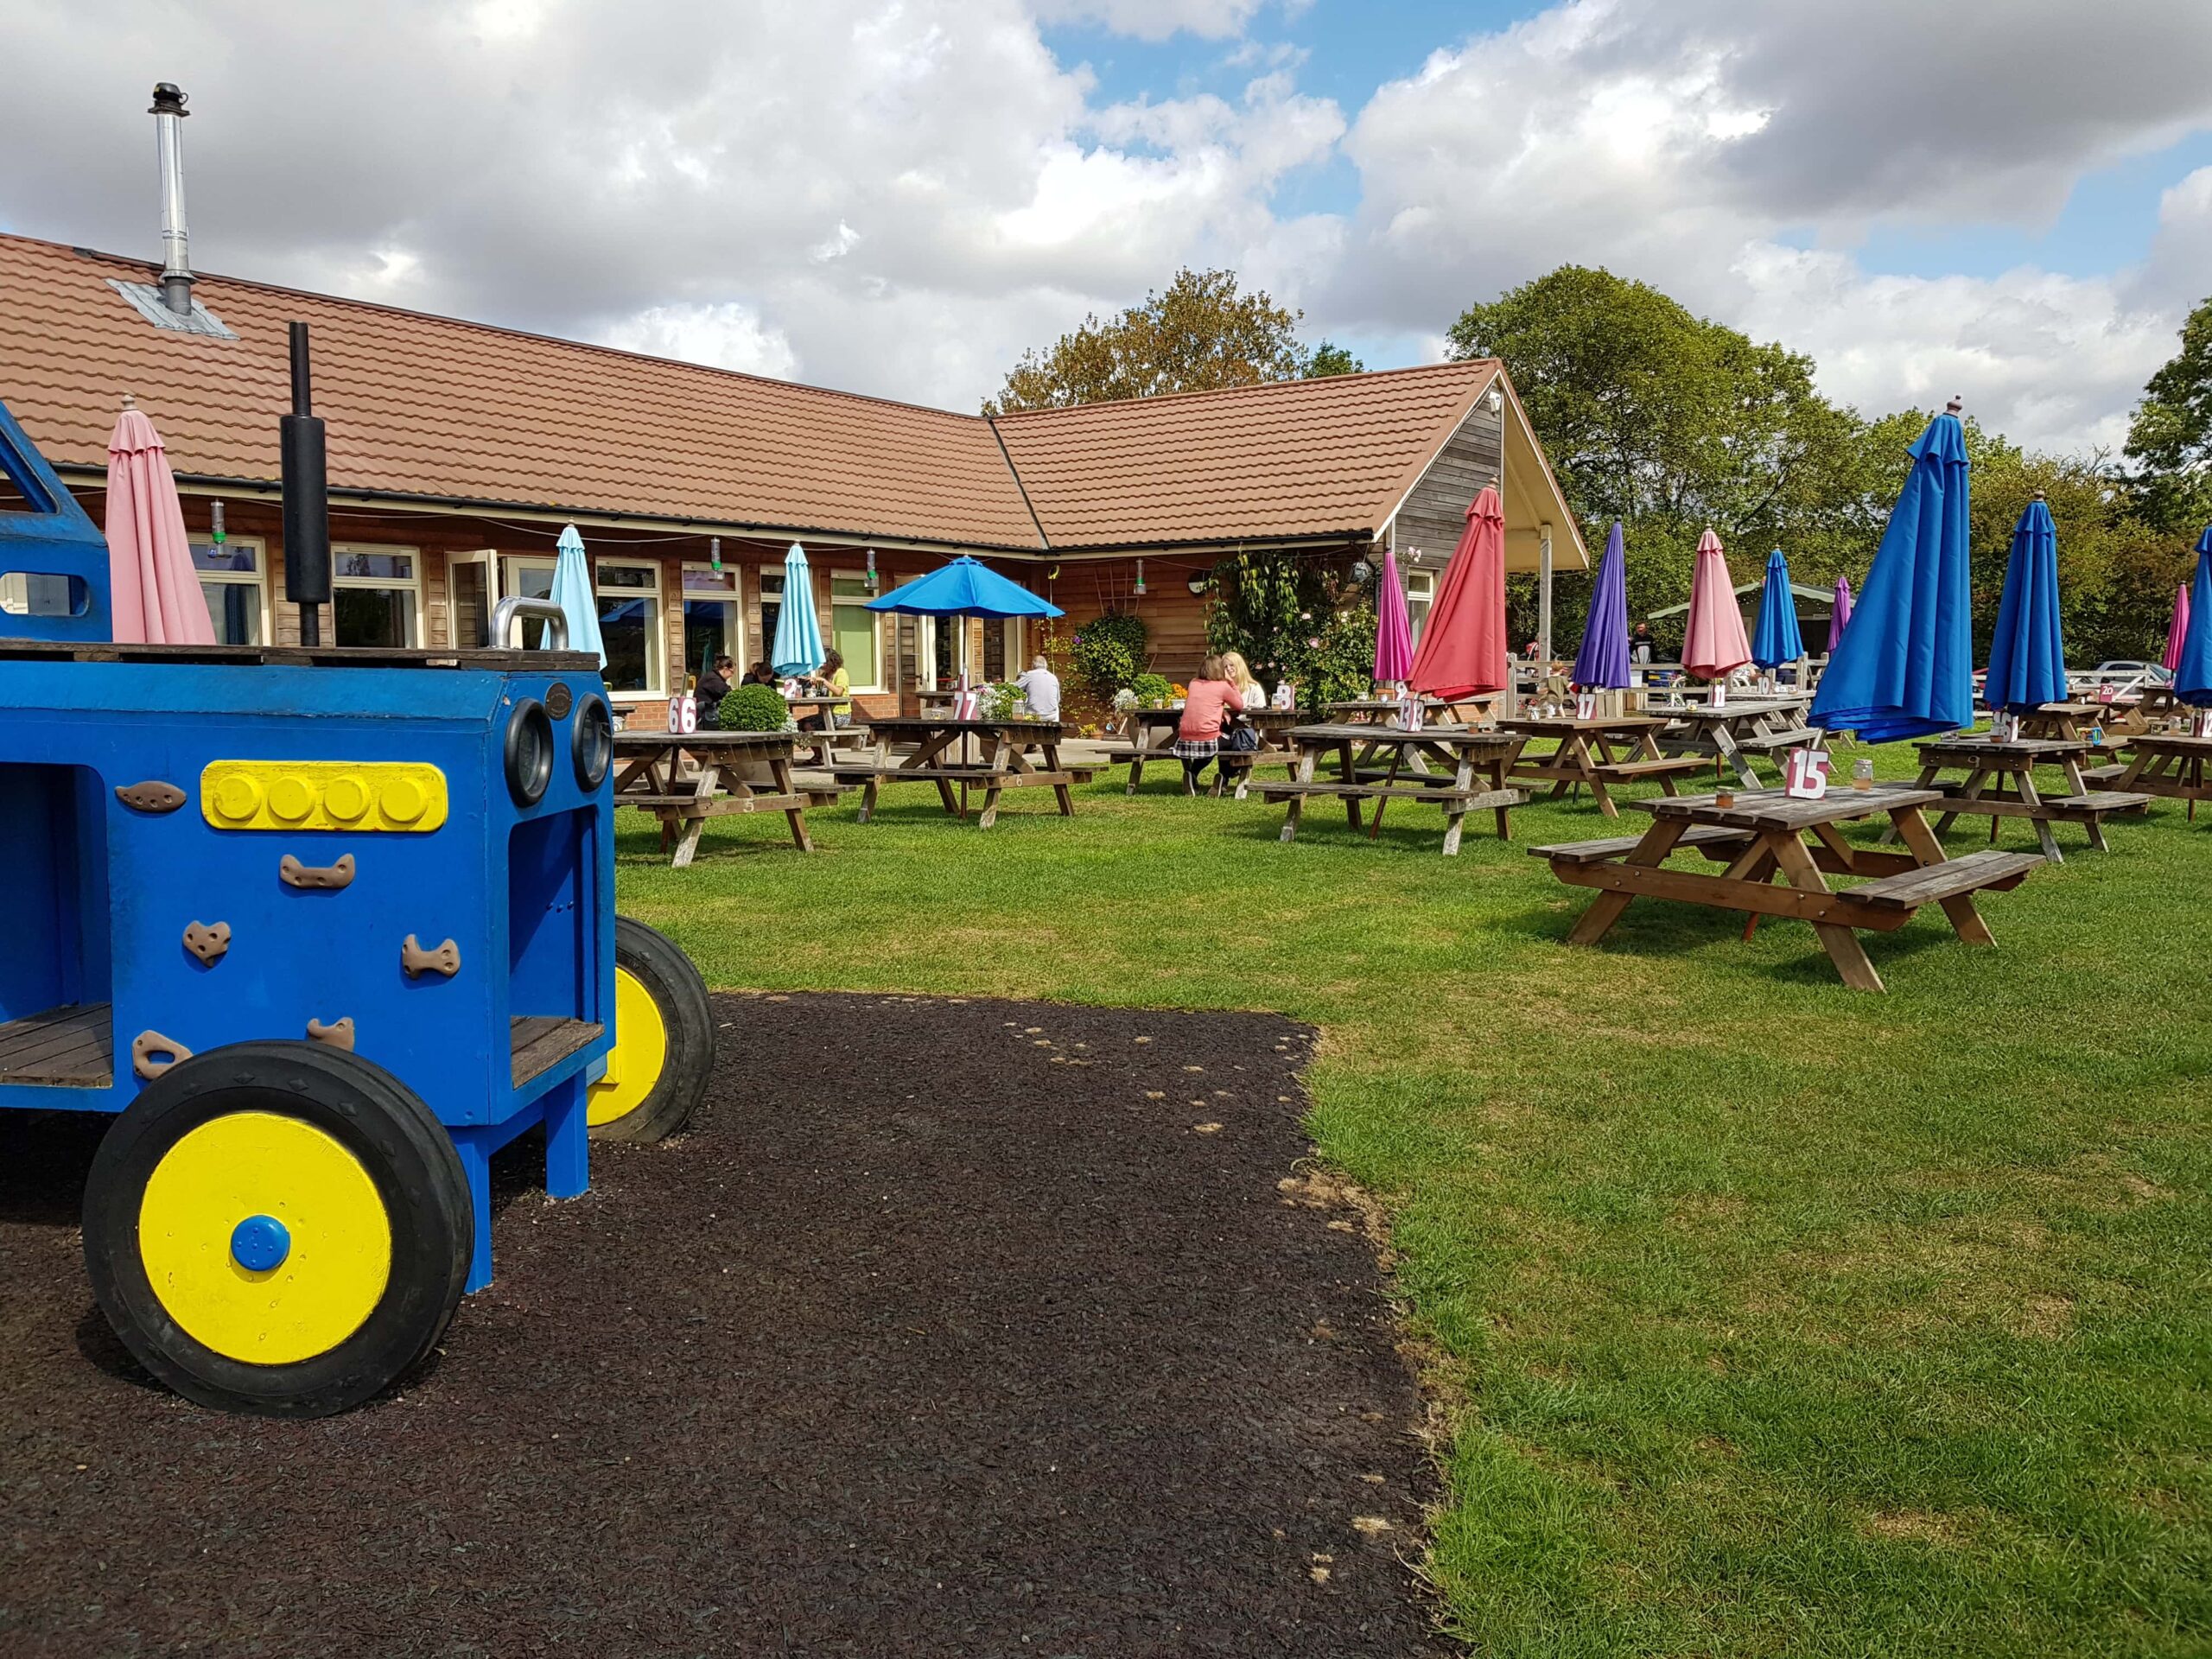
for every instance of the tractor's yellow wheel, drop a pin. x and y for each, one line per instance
(663, 1040)
(277, 1227)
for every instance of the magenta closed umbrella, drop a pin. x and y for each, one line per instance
(1841, 613)
(2176, 631)
(1393, 633)
(153, 588)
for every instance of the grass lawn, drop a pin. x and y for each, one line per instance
(1773, 1318)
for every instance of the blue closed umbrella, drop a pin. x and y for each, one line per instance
(796, 648)
(1777, 640)
(572, 592)
(1603, 661)
(2027, 658)
(1904, 667)
(2193, 678)
(963, 588)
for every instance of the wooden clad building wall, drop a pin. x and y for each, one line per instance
(1435, 514)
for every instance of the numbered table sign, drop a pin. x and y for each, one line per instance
(683, 714)
(1805, 774)
(1586, 706)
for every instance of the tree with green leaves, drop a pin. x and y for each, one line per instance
(2169, 440)
(1200, 334)
(1671, 423)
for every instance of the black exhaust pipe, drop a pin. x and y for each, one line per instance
(306, 499)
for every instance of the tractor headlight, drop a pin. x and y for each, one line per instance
(529, 752)
(592, 745)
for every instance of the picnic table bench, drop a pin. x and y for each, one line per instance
(1478, 762)
(2168, 763)
(1001, 762)
(2000, 782)
(1766, 833)
(1738, 730)
(1149, 736)
(1604, 750)
(684, 778)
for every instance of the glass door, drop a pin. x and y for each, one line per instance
(530, 577)
(472, 589)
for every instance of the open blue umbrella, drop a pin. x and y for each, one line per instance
(2027, 658)
(572, 592)
(1603, 661)
(1777, 640)
(796, 648)
(2193, 679)
(964, 587)
(1904, 667)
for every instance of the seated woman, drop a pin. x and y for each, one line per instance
(1212, 697)
(831, 680)
(1239, 735)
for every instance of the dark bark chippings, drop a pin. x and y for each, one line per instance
(939, 1335)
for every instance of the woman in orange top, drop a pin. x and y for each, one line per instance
(1198, 735)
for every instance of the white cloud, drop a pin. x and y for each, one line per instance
(1694, 142)
(729, 336)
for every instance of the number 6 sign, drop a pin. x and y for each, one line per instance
(683, 714)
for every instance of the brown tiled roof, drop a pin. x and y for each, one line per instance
(1288, 459)
(427, 406)
(449, 411)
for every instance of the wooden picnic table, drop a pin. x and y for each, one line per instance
(1001, 761)
(1740, 728)
(1765, 833)
(2169, 764)
(2000, 782)
(1478, 762)
(1602, 750)
(1383, 710)
(684, 778)
(1149, 739)
(2068, 722)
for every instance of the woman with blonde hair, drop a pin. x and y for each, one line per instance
(1212, 696)
(1238, 672)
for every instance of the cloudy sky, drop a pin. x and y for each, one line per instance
(2010, 199)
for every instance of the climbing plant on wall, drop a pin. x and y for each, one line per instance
(1294, 617)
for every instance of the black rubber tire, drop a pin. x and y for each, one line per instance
(409, 1156)
(673, 983)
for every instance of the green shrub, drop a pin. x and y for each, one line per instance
(753, 708)
(1151, 687)
(1109, 652)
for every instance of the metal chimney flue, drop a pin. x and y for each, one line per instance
(168, 111)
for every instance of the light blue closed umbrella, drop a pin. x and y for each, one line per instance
(572, 592)
(1776, 641)
(2027, 654)
(796, 648)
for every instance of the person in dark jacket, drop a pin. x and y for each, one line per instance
(713, 687)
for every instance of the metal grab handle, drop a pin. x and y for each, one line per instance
(504, 614)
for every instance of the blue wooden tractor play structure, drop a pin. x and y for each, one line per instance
(322, 929)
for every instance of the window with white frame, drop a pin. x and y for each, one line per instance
(714, 620)
(770, 579)
(376, 595)
(855, 632)
(234, 581)
(630, 625)
(1420, 594)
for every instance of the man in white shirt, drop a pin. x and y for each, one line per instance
(1041, 689)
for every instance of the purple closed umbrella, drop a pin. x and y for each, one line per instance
(1602, 664)
(1393, 633)
(1840, 614)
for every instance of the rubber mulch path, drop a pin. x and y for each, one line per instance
(951, 1328)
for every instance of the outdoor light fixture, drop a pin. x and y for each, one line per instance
(1362, 572)
(1497, 399)
(215, 513)
(1200, 583)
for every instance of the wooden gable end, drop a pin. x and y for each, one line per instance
(1434, 513)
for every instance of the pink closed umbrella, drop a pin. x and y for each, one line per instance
(2176, 631)
(1463, 643)
(1715, 644)
(1394, 629)
(154, 593)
